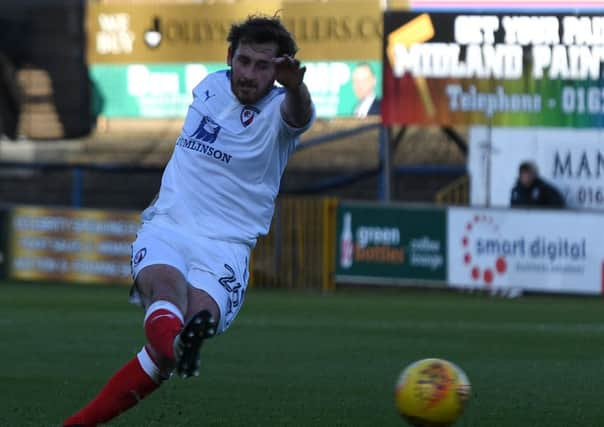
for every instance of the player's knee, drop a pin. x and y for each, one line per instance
(201, 300)
(162, 282)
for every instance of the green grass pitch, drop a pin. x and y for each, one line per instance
(297, 359)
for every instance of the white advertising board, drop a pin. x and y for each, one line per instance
(544, 251)
(572, 160)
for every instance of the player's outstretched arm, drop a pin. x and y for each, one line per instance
(296, 107)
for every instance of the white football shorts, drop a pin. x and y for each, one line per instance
(217, 267)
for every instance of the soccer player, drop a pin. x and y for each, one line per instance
(190, 257)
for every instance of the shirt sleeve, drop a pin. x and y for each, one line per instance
(293, 131)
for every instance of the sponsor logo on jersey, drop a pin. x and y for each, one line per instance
(207, 131)
(247, 115)
(139, 256)
(200, 147)
(208, 95)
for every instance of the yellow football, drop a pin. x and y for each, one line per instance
(432, 393)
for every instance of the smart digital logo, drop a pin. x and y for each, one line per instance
(482, 270)
(491, 250)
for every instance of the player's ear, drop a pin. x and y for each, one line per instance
(230, 56)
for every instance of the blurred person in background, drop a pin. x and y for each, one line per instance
(9, 98)
(12, 48)
(532, 191)
(363, 85)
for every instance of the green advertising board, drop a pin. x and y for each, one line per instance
(389, 244)
(149, 90)
(164, 90)
(4, 230)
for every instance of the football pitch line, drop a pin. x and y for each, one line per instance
(413, 325)
(410, 325)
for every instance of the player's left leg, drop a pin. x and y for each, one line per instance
(163, 290)
(158, 268)
(202, 320)
(131, 383)
(145, 373)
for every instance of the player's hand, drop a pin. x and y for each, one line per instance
(288, 71)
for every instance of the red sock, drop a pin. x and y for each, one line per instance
(133, 382)
(163, 322)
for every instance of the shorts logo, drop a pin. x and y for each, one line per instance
(236, 293)
(247, 115)
(139, 256)
(207, 131)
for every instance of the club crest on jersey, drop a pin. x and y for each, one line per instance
(207, 131)
(247, 115)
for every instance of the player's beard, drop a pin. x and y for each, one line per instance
(248, 92)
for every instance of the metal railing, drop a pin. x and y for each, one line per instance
(299, 251)
(456, 193)
(79, 171)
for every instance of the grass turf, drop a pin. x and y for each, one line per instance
(295, 359)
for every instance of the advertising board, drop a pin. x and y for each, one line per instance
(499, 68)
(541, 251)
(572, 160)
(71, 245)
(390, 244)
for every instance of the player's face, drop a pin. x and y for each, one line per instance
(252, 70)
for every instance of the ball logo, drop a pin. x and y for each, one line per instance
(248, 113)
(485, 272)
(433, 384)
(207, 131)
(139, 256)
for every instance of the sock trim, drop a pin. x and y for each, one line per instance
(164, 305)
(149, 366)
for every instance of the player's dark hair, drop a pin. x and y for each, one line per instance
(262, 29)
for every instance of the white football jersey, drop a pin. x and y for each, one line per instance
(224, 174)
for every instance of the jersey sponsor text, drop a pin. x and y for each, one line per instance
(195, 145)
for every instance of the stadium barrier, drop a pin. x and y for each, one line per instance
(70, 245)
(391, 244)
(455, 193)
(299, 250)
(530, 250)
(497, 250)
(93, 246)
(4, 232)
(315, 243)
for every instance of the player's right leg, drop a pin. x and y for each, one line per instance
(163, 291)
